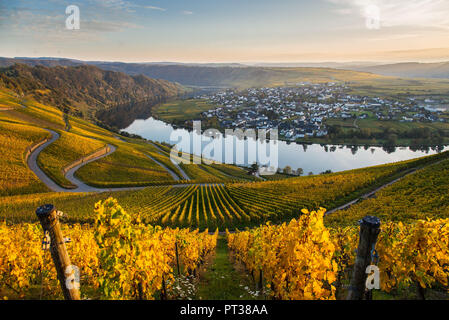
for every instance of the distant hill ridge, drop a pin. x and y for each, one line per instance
(209, 75)
(234, 74)
(410, 70)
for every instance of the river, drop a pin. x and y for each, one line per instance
(313, 158)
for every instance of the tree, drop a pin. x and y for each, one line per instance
(299, 172)
(254, 169)
(392, 140)
(288, 170)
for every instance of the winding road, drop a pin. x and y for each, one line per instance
(81, 186)
(32, 164)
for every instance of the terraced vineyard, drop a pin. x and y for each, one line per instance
(15, 137)
(419, 196)
(206, 206)
(199, 174)
(64, 151)
(235, 172)
(9, 100)
(125, 167)
(281, 200)
(50, 116)
(213, 173)
(234, 205)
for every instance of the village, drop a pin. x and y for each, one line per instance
(302, 110)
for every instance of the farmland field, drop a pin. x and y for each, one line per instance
(182, 109)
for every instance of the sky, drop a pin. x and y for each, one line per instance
(246, 31)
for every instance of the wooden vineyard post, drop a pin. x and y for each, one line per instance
(164, 290)
(177, 257)
(261, 287)
(369, 231)
(49, 220)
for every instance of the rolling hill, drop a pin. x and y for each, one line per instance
(86, 91)
(409, 70)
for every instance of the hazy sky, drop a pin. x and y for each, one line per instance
(228, 30)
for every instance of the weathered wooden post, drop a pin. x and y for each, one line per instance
(164, 290)
(260, 284)
(369, 231)
(49, 220)
(177, 257)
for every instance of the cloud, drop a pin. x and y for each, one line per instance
(126, 5)
(154, 8)
(421, 13)
(50, 28)
(186, 12)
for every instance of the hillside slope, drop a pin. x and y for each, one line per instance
(86, 90)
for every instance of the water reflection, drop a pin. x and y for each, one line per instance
(311, 158)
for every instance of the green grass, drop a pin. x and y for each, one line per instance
(182, 110)
(50, 116)
(222, 281)
(156, 154)
(397, 87)
(376, 126)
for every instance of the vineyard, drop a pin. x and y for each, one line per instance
(122, 168)
(239, 205)
(207, 206)
(9, 100)
(278, 201)
(134, 250)
(234, 172)
(64, 151)
(121, 257)
(15, 138)
(304, 260)
(418, 196)
(118, 257)
(44, 115)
